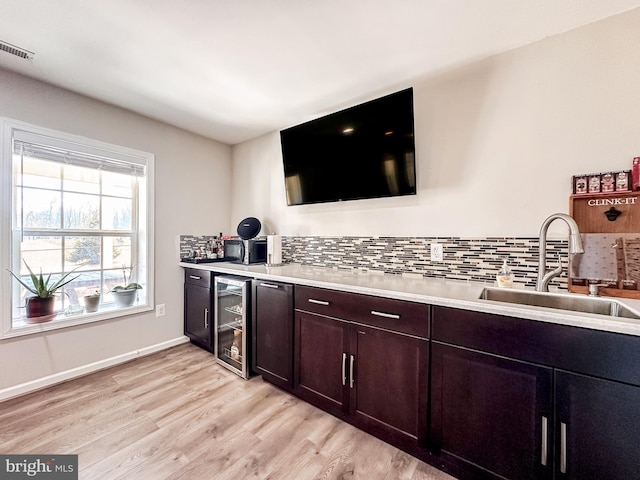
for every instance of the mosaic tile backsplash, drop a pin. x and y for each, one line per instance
(471, 259)
(197, 243)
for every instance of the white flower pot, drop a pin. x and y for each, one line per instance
(125, 298)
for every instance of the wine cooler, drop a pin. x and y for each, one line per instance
(231, 303)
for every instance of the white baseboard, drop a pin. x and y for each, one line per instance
(40, 383)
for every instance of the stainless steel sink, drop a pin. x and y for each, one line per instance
(560, 301)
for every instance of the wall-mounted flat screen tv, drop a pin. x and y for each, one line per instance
(366, 151)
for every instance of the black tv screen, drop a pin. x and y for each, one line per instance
(366, 151)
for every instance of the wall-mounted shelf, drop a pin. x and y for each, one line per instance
(610, 228)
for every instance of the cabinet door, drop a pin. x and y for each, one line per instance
(492, 413)
(320, 361)
(389, 385)
(198, 315)
(598, 428)
(273, 332)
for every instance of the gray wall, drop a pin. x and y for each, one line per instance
(192, 190)
(496, 143)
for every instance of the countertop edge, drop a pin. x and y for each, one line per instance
(441, 292)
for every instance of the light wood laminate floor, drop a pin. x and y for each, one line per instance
(177, 414)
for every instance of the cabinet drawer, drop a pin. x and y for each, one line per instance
(202, 278)
(592, 352)
(395, 315)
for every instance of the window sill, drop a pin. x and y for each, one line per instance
(19, 327)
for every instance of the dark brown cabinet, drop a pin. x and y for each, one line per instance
(388, 385)
(321, 361)
(272, 331)
(505, 405)
(598, 428)
(492, 412)
(364, 359)
(481, 396)
(198, 307)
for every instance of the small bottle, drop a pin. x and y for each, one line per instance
(220, 247)
(236, 346)
(635, 174)
(505, 276)
(212, 251)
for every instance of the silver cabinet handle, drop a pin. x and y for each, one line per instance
(318, 302)
(385, 315)
(206, 318)
(351, 371)
(269, 285)
(194, 277)
(543, 458)
(344, 368)
(563, 447)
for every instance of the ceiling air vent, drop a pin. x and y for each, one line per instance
(17, 51)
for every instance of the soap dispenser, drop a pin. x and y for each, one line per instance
(505, 276)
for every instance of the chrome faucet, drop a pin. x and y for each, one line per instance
(575, 246)
(594, 289)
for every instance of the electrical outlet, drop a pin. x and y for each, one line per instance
(436, 252)
(160, 310)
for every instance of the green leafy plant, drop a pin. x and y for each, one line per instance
(41, 287)
(128, 284)
(96, 293)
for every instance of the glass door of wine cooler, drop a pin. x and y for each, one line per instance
(231, 307)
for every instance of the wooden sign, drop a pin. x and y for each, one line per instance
(610, 229)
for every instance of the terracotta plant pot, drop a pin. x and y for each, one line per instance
(91, 303)
(40, 309)
(125, 298)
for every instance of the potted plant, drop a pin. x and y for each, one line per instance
(92, 301)
(125, 295)
(40, 306)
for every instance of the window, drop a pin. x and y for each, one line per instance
(74, 205)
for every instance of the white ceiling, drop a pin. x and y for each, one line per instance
(235, 69)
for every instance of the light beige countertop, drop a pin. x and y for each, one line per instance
(433, 291)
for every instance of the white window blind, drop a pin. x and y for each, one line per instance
(70, 153)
